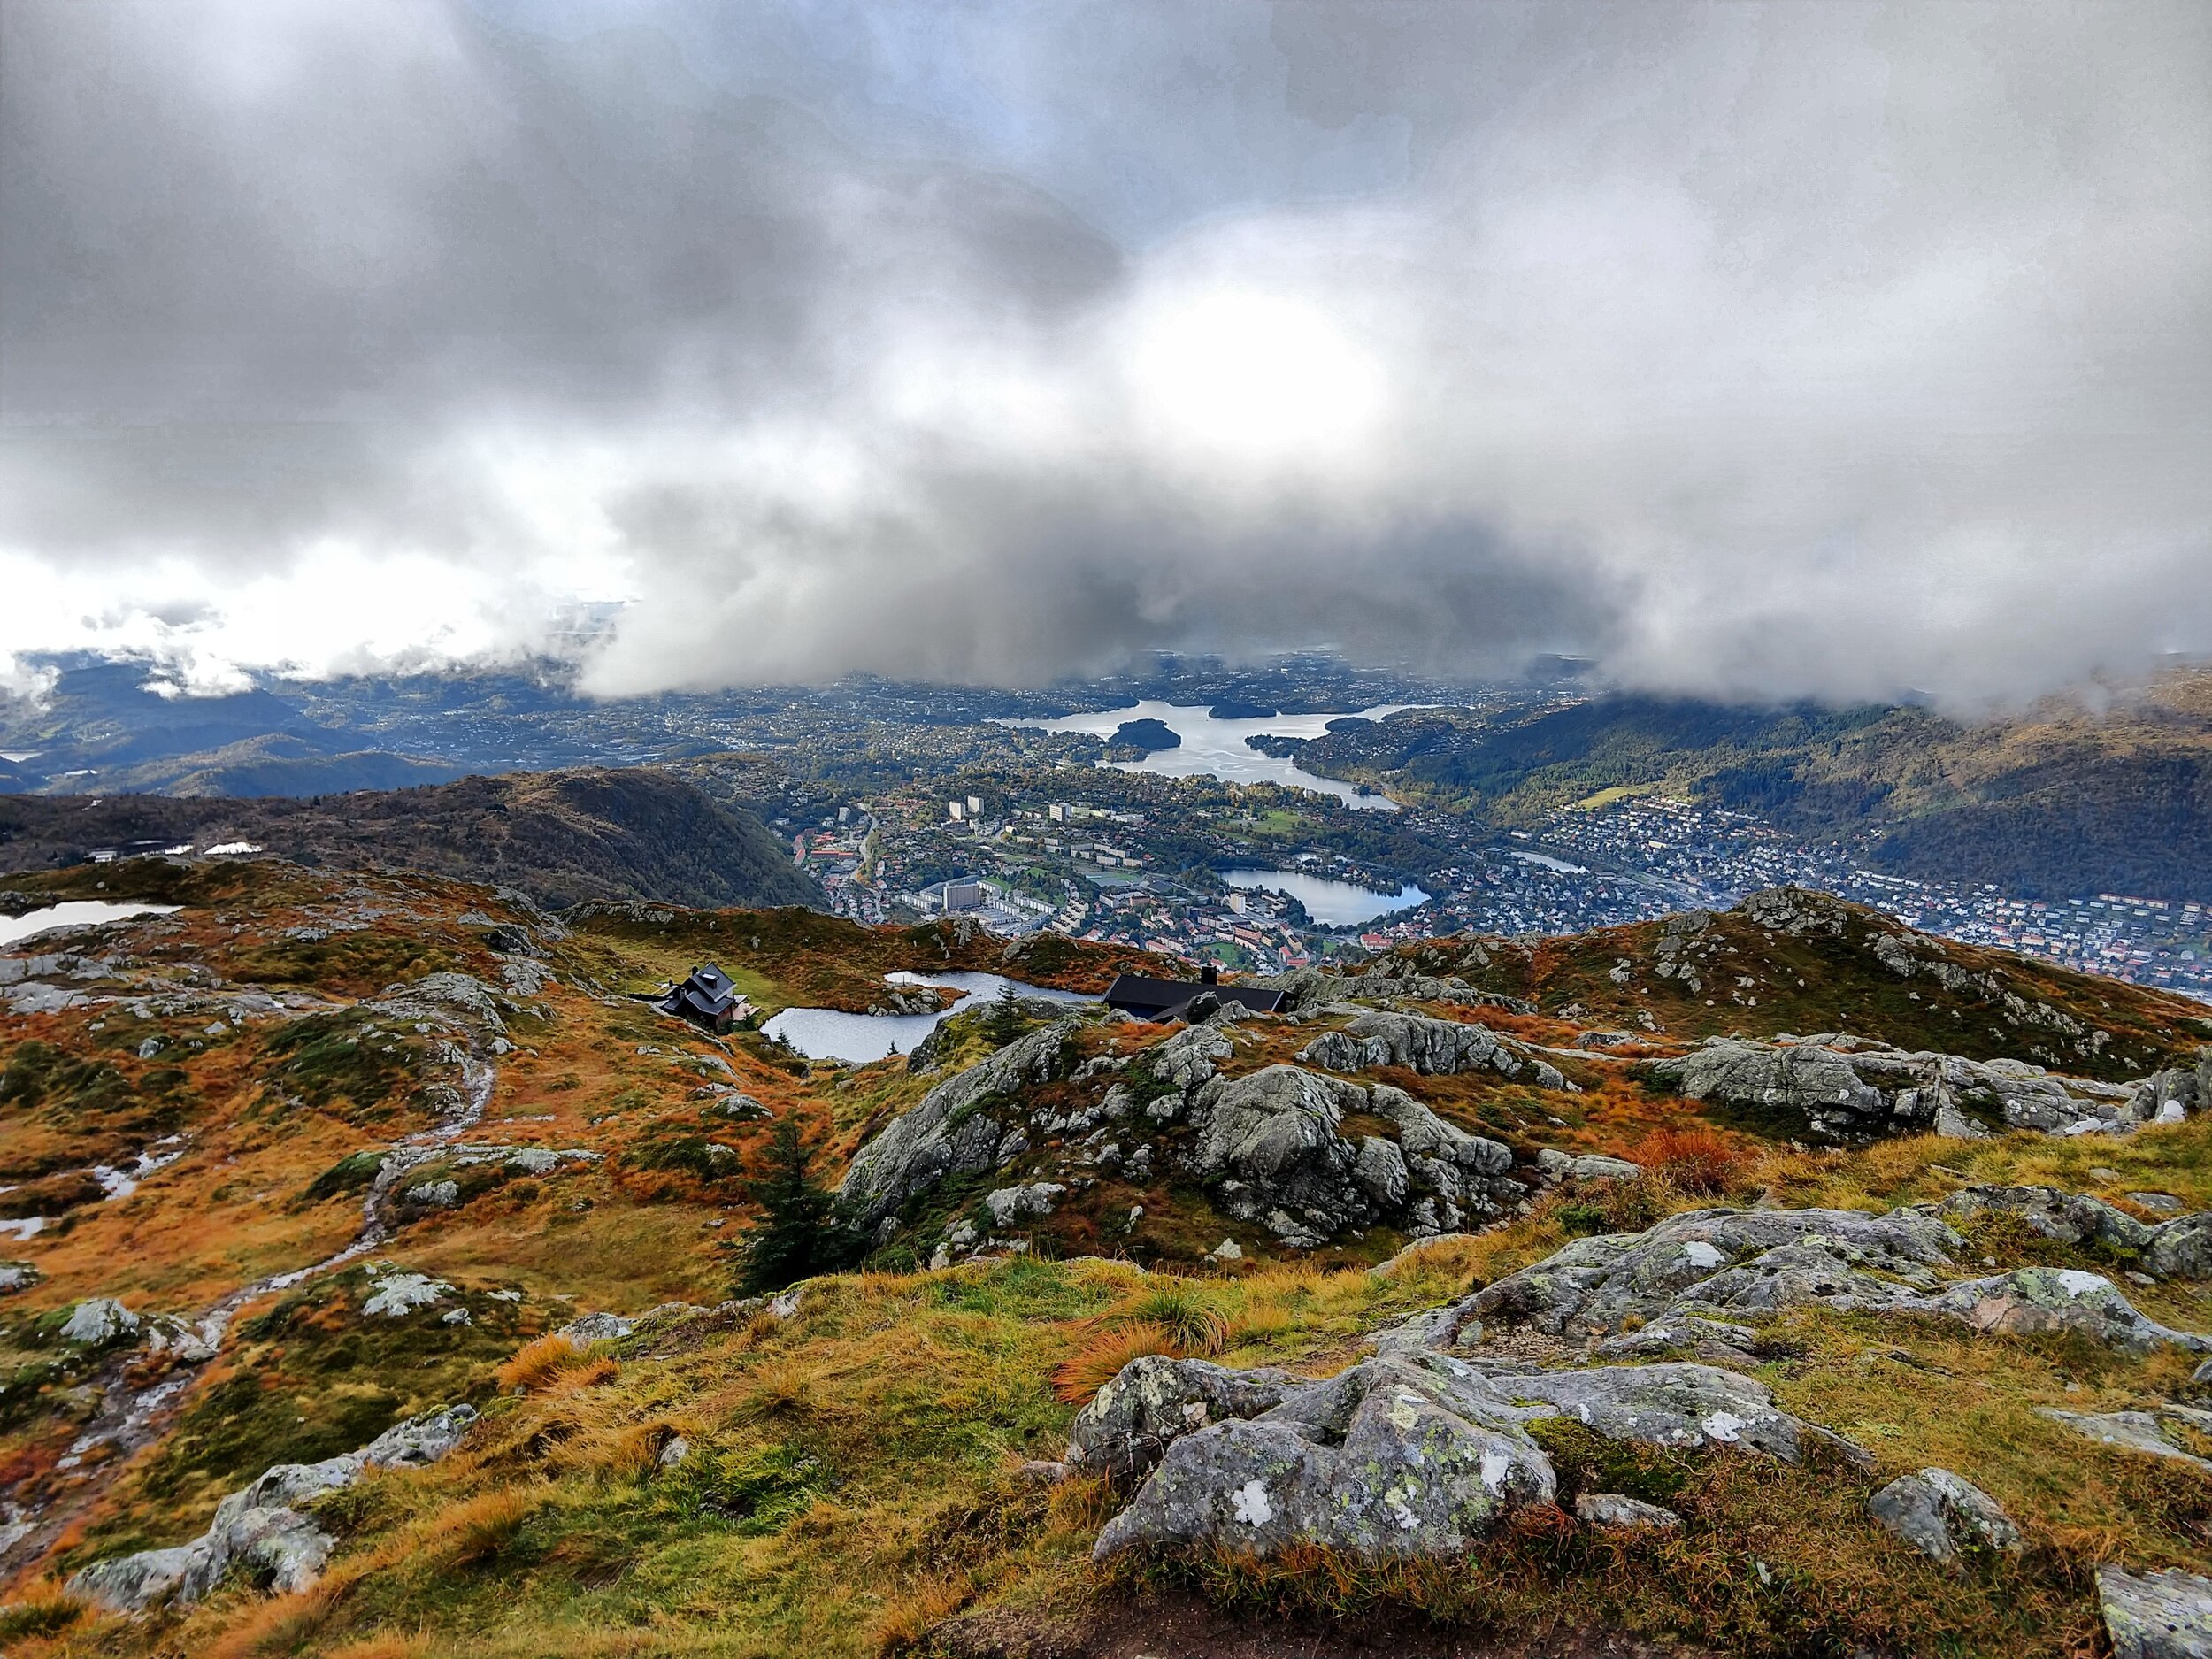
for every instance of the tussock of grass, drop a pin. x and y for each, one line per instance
(44, 1609)
(1693, 1159)
(1099, 1361)
(477, 1530)
(278, 1628)
(1180, 1308)
(538, 1365)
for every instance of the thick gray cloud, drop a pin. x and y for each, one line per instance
(1759, 350)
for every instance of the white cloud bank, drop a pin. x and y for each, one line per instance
(1758, 350)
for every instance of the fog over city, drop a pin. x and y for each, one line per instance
(1760, 350)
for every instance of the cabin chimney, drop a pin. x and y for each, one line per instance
(1209, 975)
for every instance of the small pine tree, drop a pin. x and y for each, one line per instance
(799, 1232)
(1006, 1015)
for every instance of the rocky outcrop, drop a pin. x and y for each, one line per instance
(2155, 1615)
(257, 1531)
(1851, 1089)
(955, 1130)
(1130, 1422)
(1269, 1146)
(2180, 1248)
(1724, 1265)
(1855, 1089)
(1418, 1454)
(1942, 1516)
(2142, 1431)
(1432, 1046)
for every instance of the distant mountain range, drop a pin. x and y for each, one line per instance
(101, 729)
(562, 837)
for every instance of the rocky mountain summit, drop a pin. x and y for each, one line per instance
(371, 1235)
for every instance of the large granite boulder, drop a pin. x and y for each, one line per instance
(1393, 1458)
(953, 1130)
(1130, 1422)
(1851, 1089)
(1431, 1047)
(1415, 1453)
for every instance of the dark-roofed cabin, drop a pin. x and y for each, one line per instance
(1168, 999)
(707, 998)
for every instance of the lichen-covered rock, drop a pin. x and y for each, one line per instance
(1679, 1407)
(1181, 1064)
(1616, 1512)
(1723, 1264)
(2156, 1615)
(2032, 1300)
(1939, 1515)
(1009, 1204)
(1270, 1146)
(1854, 1090)
(1415, 1453)
(2066, 1217)
(952, 1131)
(2131, 1431)
(16, 1276)
(1393, 1458)
(1712, 1263)
(97, 1322)
(2180, 1248)
(1431, 1047)
(257, 1531)
(1130, 1422)
(395, 1293)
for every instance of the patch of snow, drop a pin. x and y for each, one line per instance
(226, 850)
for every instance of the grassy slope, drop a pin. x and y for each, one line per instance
(852, 1478)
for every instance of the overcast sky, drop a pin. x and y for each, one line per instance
(1802, 349)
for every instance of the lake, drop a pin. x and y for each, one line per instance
(1216, 748)
(75, 913)
(825, 1033)
(1331, 904)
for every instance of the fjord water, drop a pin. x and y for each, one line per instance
(1331, 904)
(1216, 748)
(825, 1033)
